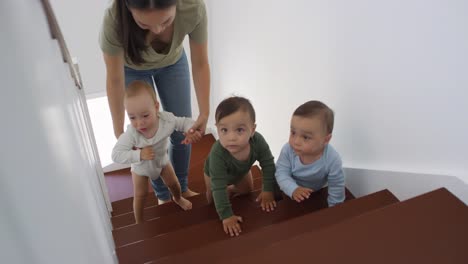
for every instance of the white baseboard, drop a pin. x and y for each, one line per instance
(114, 167)
(403, 185)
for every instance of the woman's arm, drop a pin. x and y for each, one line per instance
(201, 80)
(115, 82)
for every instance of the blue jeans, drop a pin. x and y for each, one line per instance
(173, 87)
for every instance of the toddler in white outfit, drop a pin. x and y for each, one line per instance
(144, 144)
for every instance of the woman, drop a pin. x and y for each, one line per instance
(142, 40)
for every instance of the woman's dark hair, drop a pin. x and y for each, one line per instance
(131, 35)
(317, 109)
(233, 104)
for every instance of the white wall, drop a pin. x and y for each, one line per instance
(395, 72)
(403, 185)
(80, 22)
(52, 209)
(103, 131)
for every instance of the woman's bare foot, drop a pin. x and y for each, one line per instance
(163, 201)
(189, 193)
(184, 203)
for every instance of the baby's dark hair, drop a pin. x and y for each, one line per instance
(233, 104)
(317, 109)
(148, 4)
(131, 36)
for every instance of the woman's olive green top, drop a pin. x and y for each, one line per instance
(190, 20)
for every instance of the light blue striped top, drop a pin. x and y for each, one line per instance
(291, 173)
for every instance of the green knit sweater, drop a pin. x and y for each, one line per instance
(223, 170)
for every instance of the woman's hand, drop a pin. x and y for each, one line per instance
(199, 125)
(192, 137)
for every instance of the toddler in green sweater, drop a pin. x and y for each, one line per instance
(227, 168)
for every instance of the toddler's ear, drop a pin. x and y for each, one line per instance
(328, 138)
(253, 130)
(157, 106)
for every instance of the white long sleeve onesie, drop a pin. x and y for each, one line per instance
(124, 153)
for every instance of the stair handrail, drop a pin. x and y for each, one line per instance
(56, 34)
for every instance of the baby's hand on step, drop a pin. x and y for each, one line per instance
(301, 193)
(267, 201)
(231, 225)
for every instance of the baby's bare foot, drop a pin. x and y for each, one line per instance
(163, 201)
(189, 193)
(184, 203)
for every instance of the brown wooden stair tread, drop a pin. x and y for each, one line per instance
(430, 228)
(194, 236)
(157, 211)
(211, 231)
(125, 206)
(265, 236)
(196, 183)
(165, 224)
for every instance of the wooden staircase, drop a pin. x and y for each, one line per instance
(376, 228)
